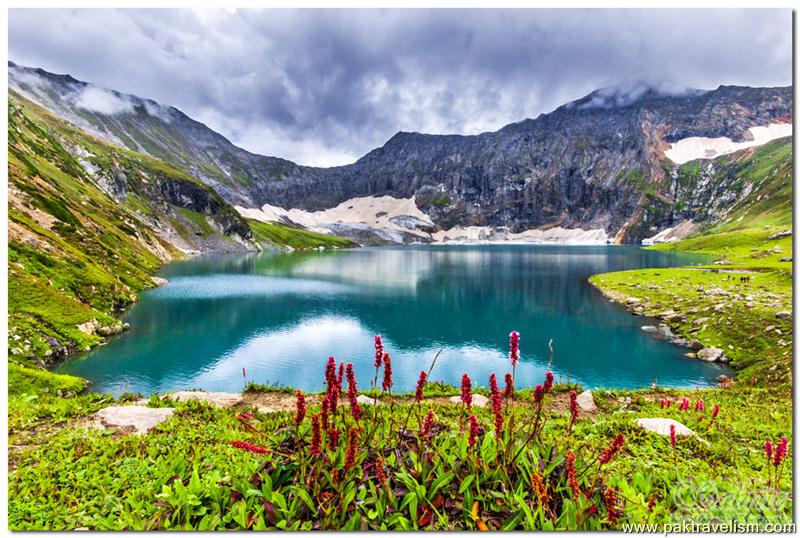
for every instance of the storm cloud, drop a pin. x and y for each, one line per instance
(323, 87)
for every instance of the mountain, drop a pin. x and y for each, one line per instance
(595, 163)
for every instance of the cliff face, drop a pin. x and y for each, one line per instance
(597, 162)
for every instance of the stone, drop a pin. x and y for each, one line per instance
(665, 332)
(695, 344)
(158, 281)
(219, 399)
(780, 235)
(478, 400)
(699, 321)
(711, 354)
(783, 315)
(661, 426)
(366, 400)
(649, 328)
(785, 259)
(690, 355)
(89, 327)
(586, 401)
(141, 418)
(109, 330)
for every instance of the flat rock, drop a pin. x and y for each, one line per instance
(138, 417)
(785, 259)
(783, 315)
(367, 400)
(779, 235)
(649, 328)
(665, 332)
(661, 426)
(478, 400)
(585, 401)
(158, 281)
(219, 399)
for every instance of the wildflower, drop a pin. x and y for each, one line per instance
(352, 393)
(340, 377)
(247, 415)
(378, 351)
(540, 489)
(663, 403)
(715, 412)
(548, 382)
(325, 407)
(780, 451)
(497, 406)
(768, 450)
(316, 437)
(509, 391)
(700, 405)
(651, 504)
(352, 447)
(573, 407)
(473, 431)
(673, 440)
(301, 407)
(513, 347)
(250, 447)
(387, 372)
(572, 475)
(669, 404)
(419, 393)
(466, 391)
(684, 405)
(538, 393)
(427, 424)
(330, 373)
(333, 439)
(614, 512)
(380, 472)
(613, 449)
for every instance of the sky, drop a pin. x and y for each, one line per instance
(324, 87)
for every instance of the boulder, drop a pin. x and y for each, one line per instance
(785, 259)
(585, 401)
(109, 330)
(711, 354)
(661, 426)
(478, 400)
(140, 418)
(89, 327)
(649, 328)
(783, 315)
(158, 281)
(664, 332)
(366, 400)
(695, 344)
(780, 235)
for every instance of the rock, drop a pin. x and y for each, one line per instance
(158, 281)
(683, 342)
(362, 399)
(586, 401)
(138, 417)
(89, 327)
(478, 400)
(632, 300)
(723, 262)
(219, 399)
(665, 332)
(699, 321)
(786, 259)
(780, 235)
(649, 328)
(690, 355)
(16, 351)
(783, 315)
(661, 426)
(711, 354)
(126, 326)
(109, 330)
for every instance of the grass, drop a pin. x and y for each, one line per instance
(187, 474)
(284, 235)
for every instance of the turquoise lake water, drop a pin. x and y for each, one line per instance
(281, 315)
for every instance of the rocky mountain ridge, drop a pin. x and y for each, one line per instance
(594, 163)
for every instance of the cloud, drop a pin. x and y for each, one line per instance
(99, 100)
(326, 86)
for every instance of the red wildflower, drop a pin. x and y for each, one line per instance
(663, 403)
(768, 449)
(573, 407)
(250, 447)
(352, 447)
(538, 393)
(613, 510)
(340, 376)
(316, 436)
(509, 391)
(572, 475)
(301, 407)
(387, 372)
(715, 412)
(548, 382)
(419, 394)
(684, 405)
(427, 424)
(325, 407)
(673, 439)
(497, 406)
(780, 451)
(380, 472)
(669, 404)
(333, 439)
(651, 504)
(513, 347)
(352, 393)
(466, 391)
(378, 351)
(330, 374)
(473, 430)
(700, 405)
(613, 449)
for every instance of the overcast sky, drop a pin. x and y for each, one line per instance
(324, 87)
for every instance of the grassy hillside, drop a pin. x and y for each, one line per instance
(751, 321)
(283, 235)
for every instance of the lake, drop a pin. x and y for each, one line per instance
(280, 316)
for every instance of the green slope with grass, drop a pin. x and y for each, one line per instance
(751, 320)
(284, 235)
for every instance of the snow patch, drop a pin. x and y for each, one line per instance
(700, 147)
(674, 233)
(557, 235)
